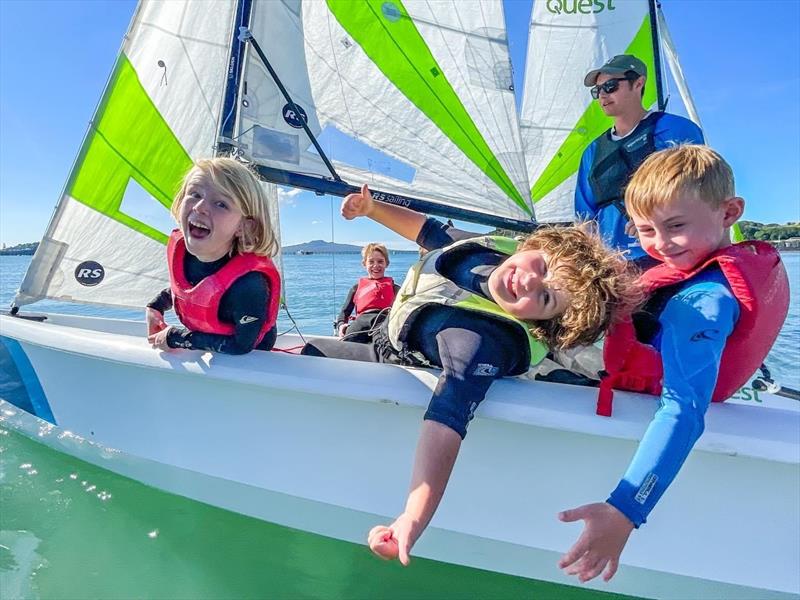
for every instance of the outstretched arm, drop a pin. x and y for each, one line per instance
(437, 450)
(695, 326)
(471, 360)
(400, 220)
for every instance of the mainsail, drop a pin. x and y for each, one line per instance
(558, 119)
(159, 112)
(424, 86)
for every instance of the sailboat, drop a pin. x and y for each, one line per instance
(312, 444)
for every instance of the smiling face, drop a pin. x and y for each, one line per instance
(525, 286)
(375, 264)
(626, 99)
(209, 220)
(686, 230)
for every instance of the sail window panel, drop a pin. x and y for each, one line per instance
(411, 114)
(268, 131)
(345, 149)
(562, 47)
(177, 52)
(139, 204)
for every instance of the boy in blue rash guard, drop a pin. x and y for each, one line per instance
(610, 160)
(715, 309)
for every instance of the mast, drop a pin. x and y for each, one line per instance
(227, 123)
(654, 7)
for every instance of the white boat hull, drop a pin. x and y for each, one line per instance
(326, 446)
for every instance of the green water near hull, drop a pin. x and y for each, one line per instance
(69, 529)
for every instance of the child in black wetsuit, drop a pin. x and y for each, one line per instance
(223, 284)
(480, 308)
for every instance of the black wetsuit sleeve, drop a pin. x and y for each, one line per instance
(244, 305)
(348, 307)
(396, 289)
(435, 234)
(473, 352)
(163, 302)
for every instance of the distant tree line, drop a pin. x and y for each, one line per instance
(24, 249)
(770, 231)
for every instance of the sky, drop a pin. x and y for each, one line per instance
(741, 60)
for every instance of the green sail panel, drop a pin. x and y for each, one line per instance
(387, 34)
(593, 122)
(129, 139)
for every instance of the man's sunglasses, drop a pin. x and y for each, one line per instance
(609, 87)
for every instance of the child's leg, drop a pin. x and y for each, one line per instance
(330, 348)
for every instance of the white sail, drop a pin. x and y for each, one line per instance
(671, 56)
(567, 39)
(158, 113)
(426, 85)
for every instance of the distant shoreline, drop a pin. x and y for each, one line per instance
(320, 247)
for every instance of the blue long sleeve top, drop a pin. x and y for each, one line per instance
(670, 130)
(694, 327)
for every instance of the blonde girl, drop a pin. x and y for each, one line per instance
(224, 286)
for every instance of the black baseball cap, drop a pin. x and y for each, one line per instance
(619, 65)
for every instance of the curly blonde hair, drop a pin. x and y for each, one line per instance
(600, 282)
(240, 184)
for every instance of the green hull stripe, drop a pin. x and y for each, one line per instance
(398, 49)
(129, 139)
(593, 122)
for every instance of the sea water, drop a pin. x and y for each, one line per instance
(72, 530)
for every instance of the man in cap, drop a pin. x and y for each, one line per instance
(609, 161)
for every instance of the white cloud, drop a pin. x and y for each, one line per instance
(287, 196)
(316, 222)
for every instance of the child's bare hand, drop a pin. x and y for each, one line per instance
(604, 536)
(342, 330)
(358, 205)
(155, 321)
(159, 339)
(394, 541)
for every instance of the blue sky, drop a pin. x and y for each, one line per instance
(741, 60)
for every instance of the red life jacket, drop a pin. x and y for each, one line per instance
(373, 294)
(757, 279)
(198, 306)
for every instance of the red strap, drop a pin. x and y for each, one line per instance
(605, 397)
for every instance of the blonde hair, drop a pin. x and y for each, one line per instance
(683, 169)
(600, 282)
(237, 182)
(374, 247)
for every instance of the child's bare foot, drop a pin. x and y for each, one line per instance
(394, 541)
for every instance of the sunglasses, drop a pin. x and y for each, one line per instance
(609, 87)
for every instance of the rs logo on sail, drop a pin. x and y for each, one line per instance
(583, 7)
(89, 273)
